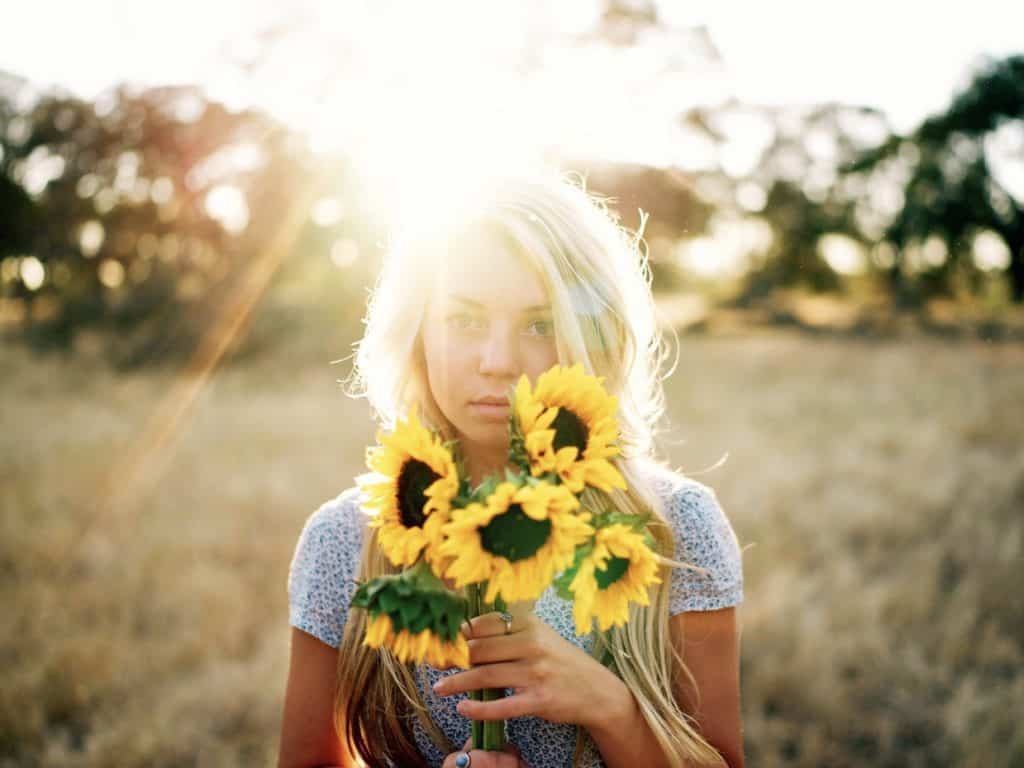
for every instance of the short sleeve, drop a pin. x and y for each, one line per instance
(704, 538)
(321, 580)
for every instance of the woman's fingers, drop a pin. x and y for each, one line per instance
(482, 759)
(504, 674)
(505, 708)
(488, 625)
(493, 623)
(486, 650)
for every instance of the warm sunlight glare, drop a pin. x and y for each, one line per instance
(419, 123)
(409, 112)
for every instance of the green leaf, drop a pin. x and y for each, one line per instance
(608, 517)
(485, 489)
(564, 579)
(389, 602)
(397, 622)
(421, 622)
(375, 585)
(562, 587)
(448, 625)
(410, 609)
(453, 621)
(438, 604)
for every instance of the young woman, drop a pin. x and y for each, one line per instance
(532, 272)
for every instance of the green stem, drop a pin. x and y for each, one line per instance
(487, 734)
(473, 595)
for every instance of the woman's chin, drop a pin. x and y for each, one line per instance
(486, 434)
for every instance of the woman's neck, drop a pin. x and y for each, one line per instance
(481, 462)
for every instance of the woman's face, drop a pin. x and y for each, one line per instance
(488, 323)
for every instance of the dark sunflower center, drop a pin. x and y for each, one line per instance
(413, 481)
(569, 430)
(616, 567)
(514, 535)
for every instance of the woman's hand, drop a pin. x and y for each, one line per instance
(552, 678)
(509, 758)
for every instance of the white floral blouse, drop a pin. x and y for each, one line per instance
(321, 583)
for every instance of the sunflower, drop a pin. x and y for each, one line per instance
(416, 648)
(415, 616)
(412, 490)
(567, 426)
(516, 540)
(619, 570)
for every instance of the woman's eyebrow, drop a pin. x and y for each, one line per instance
(478, 305)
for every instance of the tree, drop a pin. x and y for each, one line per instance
(950, 191)
(147, 211)
(791, 183)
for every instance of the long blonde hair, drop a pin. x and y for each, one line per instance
(598, 281)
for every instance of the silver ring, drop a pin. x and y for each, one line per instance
(463, 760)
(507, 618)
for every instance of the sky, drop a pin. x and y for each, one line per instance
(905, 57)
(389, 81)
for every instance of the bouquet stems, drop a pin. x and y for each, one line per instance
(487, 734)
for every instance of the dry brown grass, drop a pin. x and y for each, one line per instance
(881, 484)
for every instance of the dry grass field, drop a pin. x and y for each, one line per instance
(879, 483)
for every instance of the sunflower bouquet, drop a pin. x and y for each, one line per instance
(507, 539)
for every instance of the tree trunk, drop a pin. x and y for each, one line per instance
(898, 288)
(1015, 240)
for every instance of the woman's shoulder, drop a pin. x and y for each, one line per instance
(678, 494)
(704, 537)
(321, 578)
(332, 534)
(340, 515)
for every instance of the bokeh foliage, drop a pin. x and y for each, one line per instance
(142, 213)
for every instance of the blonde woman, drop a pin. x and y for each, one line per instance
(533, 271)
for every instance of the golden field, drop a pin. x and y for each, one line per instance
(879, 484)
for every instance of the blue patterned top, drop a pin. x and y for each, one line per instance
(321, 583)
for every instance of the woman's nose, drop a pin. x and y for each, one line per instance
(499, 355)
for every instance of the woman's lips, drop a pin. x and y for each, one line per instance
(491, 411)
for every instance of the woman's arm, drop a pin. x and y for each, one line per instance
(709, 642)
(710, 647)
(308, 738)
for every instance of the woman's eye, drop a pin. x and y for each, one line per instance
(464, 321)
(541, 328)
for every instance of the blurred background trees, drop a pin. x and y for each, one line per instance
(952, 197)
(139, 218)
(134, 220)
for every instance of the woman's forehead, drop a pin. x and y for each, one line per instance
(490, 272)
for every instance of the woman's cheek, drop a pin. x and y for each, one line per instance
(461, 352)
(540, 356)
